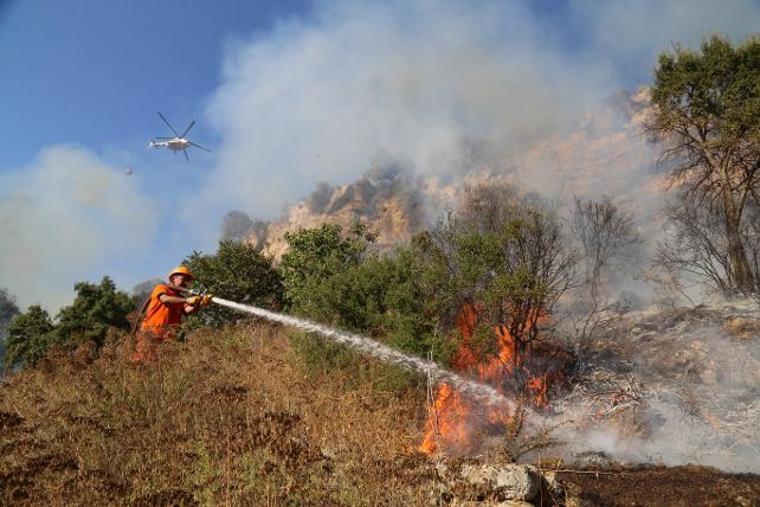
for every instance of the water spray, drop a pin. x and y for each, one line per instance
(477, 390)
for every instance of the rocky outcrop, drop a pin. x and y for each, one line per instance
(394, 204)
(607, 154)
(387, 199)
(504, 484)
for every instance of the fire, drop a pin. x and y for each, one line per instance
(454, 421)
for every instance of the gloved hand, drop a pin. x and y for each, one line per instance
(194, 300)
(206, 299)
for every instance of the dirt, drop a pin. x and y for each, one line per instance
(691, 486)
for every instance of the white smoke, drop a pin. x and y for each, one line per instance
(65, 214)
(634, 33)
(430, 84)
(695, 400)
(412, 81)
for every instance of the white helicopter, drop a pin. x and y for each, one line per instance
(177, 143)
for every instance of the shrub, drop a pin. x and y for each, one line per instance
(319, 284)
(95, 309)
(336, 279)
(503, 253)
(29, 336)
(239, 272)
(8, 309)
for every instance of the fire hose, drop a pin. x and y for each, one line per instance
(369, 346)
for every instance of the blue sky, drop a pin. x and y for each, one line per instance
(95, 72)
(287, 94)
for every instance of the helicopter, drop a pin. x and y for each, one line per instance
(177, 143)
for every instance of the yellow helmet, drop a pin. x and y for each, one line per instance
(180, 270)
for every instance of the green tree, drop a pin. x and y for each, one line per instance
(96, 308)
(239, 272)
(335, 277)
(29, 336)
(410, 302)
(320, 281)
(314, 272)
(8, 309)
(504, 253)
(707, 115)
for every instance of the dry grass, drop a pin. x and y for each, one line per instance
(231, 418)
(227, 418)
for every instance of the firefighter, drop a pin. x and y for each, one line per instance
(162, 313)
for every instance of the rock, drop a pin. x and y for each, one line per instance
(504, 482)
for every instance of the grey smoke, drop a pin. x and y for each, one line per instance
(64, 214)
(236, 226)
(443, 87)
(417, 82)
(698, 375)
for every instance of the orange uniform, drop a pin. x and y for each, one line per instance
(158, 324)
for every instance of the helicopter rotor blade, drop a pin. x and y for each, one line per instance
(188, 128)
(185, 152)
(199, 146)
(167, 138)
(168, 124)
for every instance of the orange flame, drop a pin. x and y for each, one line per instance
(453, 421)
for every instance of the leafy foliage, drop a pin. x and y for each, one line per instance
(336, 278)
(239, 272)
(318, 273)
(510, 259)
(504, 253)
(95, 309)
(29, 336)
(708, 117)
(8, 309)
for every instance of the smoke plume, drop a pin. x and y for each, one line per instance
(445, 87)
(63, 217)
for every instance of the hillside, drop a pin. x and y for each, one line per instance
(226, 417)
(233, 417)
(606, 154)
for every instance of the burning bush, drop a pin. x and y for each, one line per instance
(498, 265)
(504, 258)
(473, 293)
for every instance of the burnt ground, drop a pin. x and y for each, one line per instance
(228, 419)
(690, 485)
